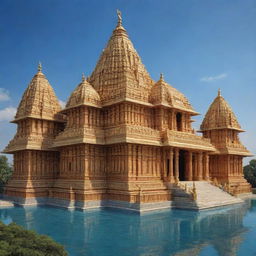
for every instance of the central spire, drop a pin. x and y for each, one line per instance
(119, 73)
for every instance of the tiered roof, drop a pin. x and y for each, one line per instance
(84, 94)
(220, 116)
(39, 100)
(164, 94)
(119, 74)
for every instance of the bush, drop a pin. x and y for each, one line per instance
(250, 172)
(5, 172)
(16, 241)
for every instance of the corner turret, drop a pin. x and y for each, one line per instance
(220, 125)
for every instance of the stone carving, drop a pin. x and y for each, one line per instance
(120, 131)
(219, 116)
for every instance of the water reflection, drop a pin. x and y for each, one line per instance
(112, 232)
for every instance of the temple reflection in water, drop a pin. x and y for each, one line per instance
(170, 232)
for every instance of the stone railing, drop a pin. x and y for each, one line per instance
(172, 137)
(225, 187)
(135, 132)
(191, 191)
(143, 131)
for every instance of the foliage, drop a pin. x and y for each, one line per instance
(16, 241)
(5, 171)
(250, 172)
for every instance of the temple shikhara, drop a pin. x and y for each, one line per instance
(123, 140)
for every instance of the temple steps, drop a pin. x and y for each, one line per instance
(208, 196)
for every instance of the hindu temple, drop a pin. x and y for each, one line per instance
(123, 140)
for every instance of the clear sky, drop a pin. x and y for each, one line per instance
(199, 46)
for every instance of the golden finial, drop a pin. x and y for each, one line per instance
(83, 77)
(119, 15)
(219, 92)
(161, 77)
(39, 68)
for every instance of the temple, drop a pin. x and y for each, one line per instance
(122, 140)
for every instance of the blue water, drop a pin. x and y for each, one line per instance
(223, 232)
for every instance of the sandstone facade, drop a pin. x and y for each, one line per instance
(120, 137)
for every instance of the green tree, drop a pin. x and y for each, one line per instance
(5, 171)
(250, 172)
(16, 241)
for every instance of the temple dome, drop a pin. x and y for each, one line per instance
(39, 100)
(164, 94)
(220, 116)
(84, 94)
(119, 73)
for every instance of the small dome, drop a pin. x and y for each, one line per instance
(220, 116)
(84, 94)
(164, 94)
(39, 100)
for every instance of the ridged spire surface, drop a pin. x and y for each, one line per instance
(220, 116)
(39, 100)
(119, 73)
(164, 94)
(84, 94)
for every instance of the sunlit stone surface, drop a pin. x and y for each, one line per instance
(123, 140)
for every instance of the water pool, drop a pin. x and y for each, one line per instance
(220, 232)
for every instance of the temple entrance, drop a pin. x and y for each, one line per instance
(182, 165)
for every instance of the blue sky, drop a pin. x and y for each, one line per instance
(199, 45)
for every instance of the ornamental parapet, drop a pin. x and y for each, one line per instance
(72, 136)
(132, 134)
(35, 142)
(233, 149)
(186, 140)
(143, 135)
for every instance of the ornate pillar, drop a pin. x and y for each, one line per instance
(164, 167)
(195, 174)
(171, 176)
(129, 156)
(139, 161)
(176, 164)
(200, 166)
(134, 160)
(206, 167)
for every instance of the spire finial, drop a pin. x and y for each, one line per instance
(83, 77)
(219, 92)
(39, 68)
(161, 76)
(119, 16)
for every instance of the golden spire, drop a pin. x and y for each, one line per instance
(220, 116)
(219, 92)
(40, 93)
(39, 68)
(83, 77)
(119, 16)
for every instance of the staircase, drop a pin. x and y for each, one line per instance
(208, 196)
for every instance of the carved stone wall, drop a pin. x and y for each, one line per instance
(34, 173)
(121, 136)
